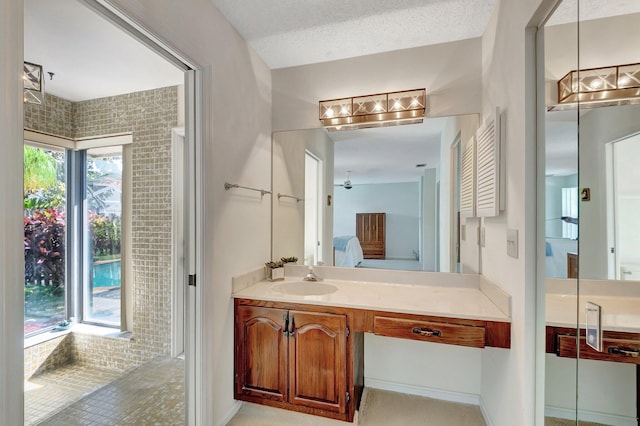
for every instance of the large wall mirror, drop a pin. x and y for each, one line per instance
(337, 194)
(592, 195)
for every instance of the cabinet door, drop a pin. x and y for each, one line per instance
(318, 361)
(261, 353)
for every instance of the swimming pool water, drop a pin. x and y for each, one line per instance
(106, 274)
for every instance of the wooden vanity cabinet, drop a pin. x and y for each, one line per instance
(293, 359)
(310, 358)
(262, 351)
(618, 346)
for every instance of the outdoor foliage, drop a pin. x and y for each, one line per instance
(44, 248)
(40, 169)
(105, 235)
(44, 230)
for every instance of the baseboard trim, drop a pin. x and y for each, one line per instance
(232, 412)
(590, 416)
(487, 418)
(444, 395)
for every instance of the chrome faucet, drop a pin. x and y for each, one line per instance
(311, 276)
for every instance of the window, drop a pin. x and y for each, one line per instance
(45, 277)
(72, 262)
(570, 213)
(103, 235)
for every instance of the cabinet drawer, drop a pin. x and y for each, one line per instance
(616, 350)
(437, 332)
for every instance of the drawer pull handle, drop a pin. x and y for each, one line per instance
(633, 353)
(426, 332)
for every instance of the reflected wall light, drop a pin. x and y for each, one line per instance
(614, 85)
(33, 84)
(379, 110)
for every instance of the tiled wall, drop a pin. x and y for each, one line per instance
(54, 117)
(48, 355)
(150, 115)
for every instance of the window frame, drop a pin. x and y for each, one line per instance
(77, 243)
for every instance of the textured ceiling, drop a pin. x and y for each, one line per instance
(297, 32)
(567, 11)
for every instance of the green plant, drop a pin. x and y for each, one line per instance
(106, 234)
(43, 180)
(44, 248)
(40, 169)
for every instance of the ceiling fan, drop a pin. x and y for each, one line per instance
(347, 182)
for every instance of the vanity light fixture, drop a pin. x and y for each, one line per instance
(614, 85)
(33, 84)
(379, 110)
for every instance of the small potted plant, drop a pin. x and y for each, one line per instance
(274, 270)
(290, 259)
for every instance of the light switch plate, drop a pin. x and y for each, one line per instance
(512, 243)
(594, 334)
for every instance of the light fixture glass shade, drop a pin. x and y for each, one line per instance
(33, 84)
(382, 109)
(615, 85)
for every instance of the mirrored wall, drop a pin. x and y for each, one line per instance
(592, 189)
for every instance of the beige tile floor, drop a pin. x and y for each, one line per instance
(152, 394)
(48, 393)
(381, 408)
(378, 408)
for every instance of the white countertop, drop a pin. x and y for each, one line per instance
(618, 313)
(620, 302)
(445, 301)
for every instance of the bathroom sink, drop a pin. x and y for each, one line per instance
(304, 288)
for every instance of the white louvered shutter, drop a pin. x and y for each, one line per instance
(488, 168)
(467, 179)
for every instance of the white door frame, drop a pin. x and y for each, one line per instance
(193, 92)
(178, 283)
(318, 196)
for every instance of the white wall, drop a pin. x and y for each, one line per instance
(430, 226)
(288, 177)
(236, 148)
(463, 127)
(400, 202)
(508, 62)
(607, 392)
(598, 127)
(450, 72)
(428, 369)
(11, 231)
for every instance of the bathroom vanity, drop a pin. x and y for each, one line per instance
(300, 345)
(620, 319)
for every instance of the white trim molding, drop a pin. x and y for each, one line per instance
(441, 394)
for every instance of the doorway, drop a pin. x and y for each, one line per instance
(623, 231)
(313, 212)
(142, 221)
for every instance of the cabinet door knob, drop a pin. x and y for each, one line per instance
(426, 332)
